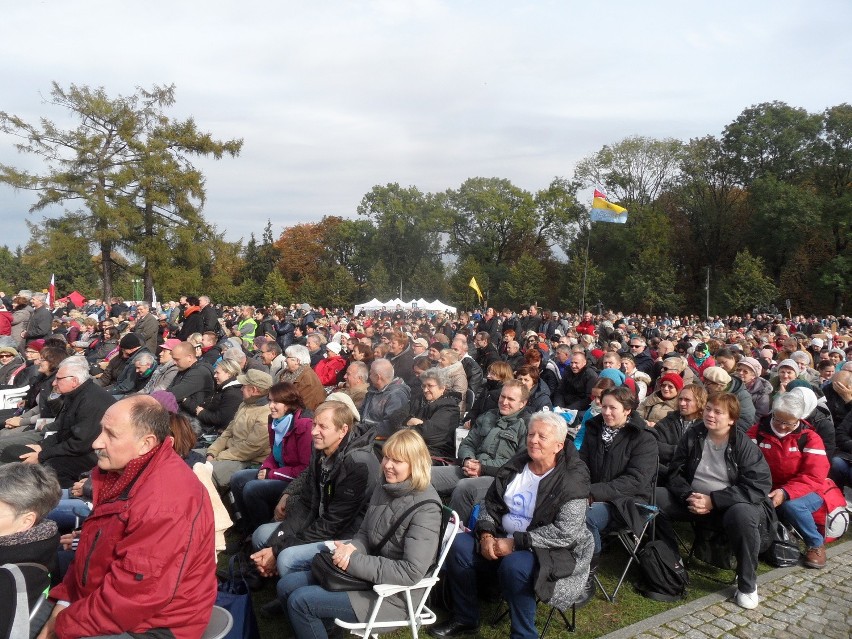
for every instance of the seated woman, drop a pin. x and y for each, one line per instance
(594, 409)
(303, 377)
(531, 533)
(539, 399)
(495, 376)
(403, 560)
(256, 491)
(719, 479)
(621, 455)
(670, 429)
(662, 401)
(436, 414)
(799, 467)
(215, 414)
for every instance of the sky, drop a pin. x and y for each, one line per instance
(333, 98)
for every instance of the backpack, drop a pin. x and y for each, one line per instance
(832, 518)
(664, 577)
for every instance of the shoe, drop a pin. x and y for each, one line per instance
(747, 600)
(272, 609)
(591, 585)
(815, 557)
(452, 629)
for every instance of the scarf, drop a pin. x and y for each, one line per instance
(114, 484)
(608, 434)
(45, 529)
(293, 376)
(280, 427)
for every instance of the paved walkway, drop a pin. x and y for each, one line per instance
(795, 603)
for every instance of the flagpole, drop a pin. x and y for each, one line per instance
(586, 268)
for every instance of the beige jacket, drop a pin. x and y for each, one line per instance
(246, 439)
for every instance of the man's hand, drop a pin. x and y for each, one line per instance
(264, 559)
(472, 468)
(843, 390)
(504, 547)
(488, 547)
(699, 504)
(261, 474)
(47, 631)
(414, 422)
(278, 514)
(77, 489)
(13, 422)
(31, 458)
(777, 496)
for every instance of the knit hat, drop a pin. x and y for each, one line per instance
(131, 340)
(717, 374)
(789, 363)
(253, 377)
(334, 347)
(167, 400)
(8, 349)
(614, 374)
(674, 379)
(753, 364)
(36, 345)
(700, 347)
(816, 341)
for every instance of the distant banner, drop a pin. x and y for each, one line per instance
(603, 211)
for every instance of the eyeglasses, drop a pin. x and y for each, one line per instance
(6, 355)
(637, 346)
(778, 422)
(59, 379)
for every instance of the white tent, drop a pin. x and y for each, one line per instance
(390, 305)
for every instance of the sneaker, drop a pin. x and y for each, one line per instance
(815, 557)
(747, 600)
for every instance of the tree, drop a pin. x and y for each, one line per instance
(125, 163)
(747, 286)
(54, 249)
(526, 281)
(635, 170)
(275, 289)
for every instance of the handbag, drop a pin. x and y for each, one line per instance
(783, 552)
(235, 597)
(334, 579)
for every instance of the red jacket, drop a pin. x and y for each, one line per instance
(585, 328)
(145, 559)
(797, 471)
(5, 322)
(328, 368)
(295, 450)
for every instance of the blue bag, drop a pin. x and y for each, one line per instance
(235, 597)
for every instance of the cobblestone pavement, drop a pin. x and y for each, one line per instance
(794, 603)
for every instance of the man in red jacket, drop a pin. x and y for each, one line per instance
(145, 562)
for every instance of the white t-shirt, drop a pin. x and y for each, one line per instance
(520, 499)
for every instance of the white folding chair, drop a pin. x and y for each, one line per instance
(10, 397)
(419, 615)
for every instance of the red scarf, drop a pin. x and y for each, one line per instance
(114, 484)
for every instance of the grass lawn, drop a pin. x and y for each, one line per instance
(597, 618)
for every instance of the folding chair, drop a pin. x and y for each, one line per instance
(419, 615)
(631, 541)
(10, 397)
(570, 626)
(220, 624)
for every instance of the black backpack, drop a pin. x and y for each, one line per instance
(664, 577)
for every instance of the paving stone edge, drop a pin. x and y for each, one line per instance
(708, 600)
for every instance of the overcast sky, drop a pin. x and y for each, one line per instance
(332, 98)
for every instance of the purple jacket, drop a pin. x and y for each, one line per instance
(295, 451)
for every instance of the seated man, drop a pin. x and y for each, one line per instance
(150, 563)
(496, 437)
(575, 389)
(356, 383)
(246, 439)
(386, 404)
(68, 451)
(799, 467)
(326, 502)
(193, 380)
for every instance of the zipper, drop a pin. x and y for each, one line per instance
(89, 557)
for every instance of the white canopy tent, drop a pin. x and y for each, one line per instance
(390, 305)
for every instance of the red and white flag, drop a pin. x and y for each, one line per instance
(51, 292)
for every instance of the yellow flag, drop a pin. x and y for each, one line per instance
(600, 203)
(472, 284)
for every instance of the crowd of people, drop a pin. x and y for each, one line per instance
(159, 428)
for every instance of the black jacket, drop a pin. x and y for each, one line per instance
(403, 365)
(219, 409)
(353, 475)
(843, 438)
(487, 356)
(836, 406)
(195, 384)
(440, 420)
(69, 450)
(209, 319)
(668, 432)
(575, 390)
(473, 372)
(748, 472)
(627, 468)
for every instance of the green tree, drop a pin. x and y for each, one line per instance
(125, 163)
(12, 273)
(747, 286)
(54, 249)
(526, 281)
(275, 289)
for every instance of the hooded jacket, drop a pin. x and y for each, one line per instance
(295, 449)
(495, 439)
(246, 437)
(440, 420)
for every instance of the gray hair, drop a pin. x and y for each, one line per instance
(144, 305)
(146, 358)
(559, 425)
(272, 347)
(801, 357)
(300, 352)
(315, 338)
(791, 403)
(437, 375)
(77, 367)
(39, 296)
(451, 354)
(230, 366)
(360, 369)
(383, 368)
(235, 354)
(204, 298)
(29, 488)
